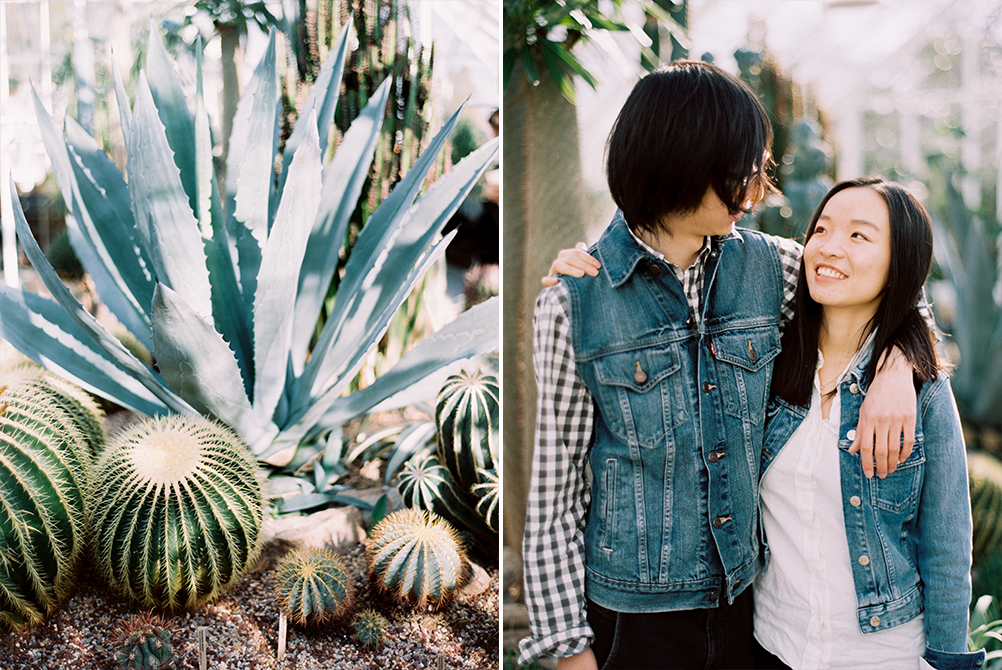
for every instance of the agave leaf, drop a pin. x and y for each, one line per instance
(98, 199)
(322, 98)
(41, 330)
(372, 301)
(250, 168)
(165, 223)
(474, 331)
(122, 98)
(198, 365)
(84, 321)
(281, 260)
(172, 107)
(344, 177)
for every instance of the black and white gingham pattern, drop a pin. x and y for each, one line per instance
(553, 545)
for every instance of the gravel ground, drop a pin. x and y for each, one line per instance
(242, 630)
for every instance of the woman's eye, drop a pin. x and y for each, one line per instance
(860, 236)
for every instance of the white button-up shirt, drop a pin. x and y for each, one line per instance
(805, 602)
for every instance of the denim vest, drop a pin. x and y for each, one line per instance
(909, 534)
(672, 522)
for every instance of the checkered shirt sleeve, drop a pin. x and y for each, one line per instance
(790, 253)
(553, 545)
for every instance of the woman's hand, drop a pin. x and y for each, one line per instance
(583, 661)
(573, 262)
(887, 415)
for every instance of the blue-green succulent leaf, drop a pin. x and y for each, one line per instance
(344, 177)
(85, 321)
(473, 332)
(122, 98)
(172, 106)
(374, 299)
(165, 223)
(250, 163)
(198, 365)
(322, 98)
(43, 331)
(281, 260)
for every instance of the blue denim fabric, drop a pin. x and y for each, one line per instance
(913, 527)
(673, 517)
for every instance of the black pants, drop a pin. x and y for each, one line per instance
(700, 639)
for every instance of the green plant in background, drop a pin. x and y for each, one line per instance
(417, 557)
(314, 587)
(176, 511)
(44, 465)
(227, 297)
(487, 493)
(966, 248)
(985, 631)
(369, 627)
(985, 474)
(63, 259)
(143, 642)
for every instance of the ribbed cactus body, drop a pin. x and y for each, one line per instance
(144, 643)
(369, 627)
(486, 493)
(424, 483)
(314, 587)
(43, 470)
(467, 415)
(177, 511)
(416, 556)
(985, 474)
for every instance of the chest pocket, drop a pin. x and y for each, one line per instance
(899, 491)
(745, 376)
(637, 394)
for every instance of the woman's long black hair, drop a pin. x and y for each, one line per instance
(897, 320)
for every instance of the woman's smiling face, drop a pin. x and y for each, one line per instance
(848, 256)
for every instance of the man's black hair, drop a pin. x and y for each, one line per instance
(687, 127)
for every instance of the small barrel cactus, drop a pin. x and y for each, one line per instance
(369, 627)
(985, 473)
(314, 587)
(416, 556)
(44, 465)
(176, 512)
(468, 415)
(143, 642)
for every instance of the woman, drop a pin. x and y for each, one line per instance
(860, 573)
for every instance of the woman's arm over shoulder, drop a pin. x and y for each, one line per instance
(944, 551)
(553, 544)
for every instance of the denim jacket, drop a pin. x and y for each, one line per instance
(910, 531)
(680, 418)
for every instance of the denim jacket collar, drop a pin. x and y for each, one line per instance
(620, 254)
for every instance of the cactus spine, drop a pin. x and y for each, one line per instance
(416, 556)
(369, 627)
(177, 511)
(467, 415)
(314, 588)
(43, 470)
(486, 493)
(143, 642)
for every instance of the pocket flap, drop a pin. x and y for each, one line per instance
(750, 350)
(639, 370)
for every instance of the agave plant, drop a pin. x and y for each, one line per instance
(226, 288)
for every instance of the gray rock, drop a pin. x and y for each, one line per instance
(340, 528)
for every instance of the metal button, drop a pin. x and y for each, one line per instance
(654, 269)
(752, 356)
(714, 595)
(875, 621)
(737, 582)
(707, 387)
(689, 323)
(713, 457)
(854, 388)
(720, 521)
(864, 560)
(851, 435)
(639, 376)
(855, 501)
